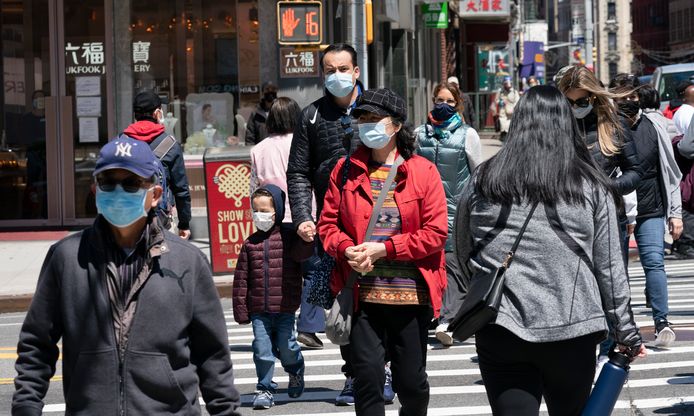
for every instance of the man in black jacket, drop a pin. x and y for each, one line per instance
(136, 308)
(255, 130)
(324, 134)
(148, 128)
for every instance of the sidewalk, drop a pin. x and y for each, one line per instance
(22, 259)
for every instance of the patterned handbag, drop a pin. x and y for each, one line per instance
(317, 284)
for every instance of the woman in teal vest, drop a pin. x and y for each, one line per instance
(454, 147)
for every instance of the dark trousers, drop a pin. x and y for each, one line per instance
(518, 373)
(402, 332)
(687, 238)
(455, 291)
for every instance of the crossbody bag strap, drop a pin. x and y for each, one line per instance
(377, 208)
(509, 257)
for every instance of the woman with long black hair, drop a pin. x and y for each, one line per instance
(568, 276)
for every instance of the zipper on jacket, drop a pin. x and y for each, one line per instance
(121, 389)
(266, 271)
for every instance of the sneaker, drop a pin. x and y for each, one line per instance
(310, 340)
(346, 396)
(599, 364)
(388, 393)
(664, 335)
(296, 385)
(444, 337)
(263, 400)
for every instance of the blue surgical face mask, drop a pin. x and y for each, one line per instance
(374, 135)
(582, 112)
(340, 84)
(121, 208)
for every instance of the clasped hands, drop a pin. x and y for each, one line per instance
(361, 258)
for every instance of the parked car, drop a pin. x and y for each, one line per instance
(666, 78)
(646, 79)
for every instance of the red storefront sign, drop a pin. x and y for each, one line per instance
(228, 211)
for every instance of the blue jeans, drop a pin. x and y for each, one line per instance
(649, 237)
(274, 337)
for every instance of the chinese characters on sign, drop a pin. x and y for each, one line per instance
(435, 15)
(483, 8)
(299, 23)
(87, 58)
(298, 63)
(141, 56)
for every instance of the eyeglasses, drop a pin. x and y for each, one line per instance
(130, 184)
(346, 122)
(582, 102)
(450, 102)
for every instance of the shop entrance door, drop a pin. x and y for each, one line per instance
(29, 165)
(54, 116)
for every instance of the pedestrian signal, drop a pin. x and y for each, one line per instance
(299, 22)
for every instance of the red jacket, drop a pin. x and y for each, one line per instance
(422, 204)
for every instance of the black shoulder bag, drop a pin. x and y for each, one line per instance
(481, 305)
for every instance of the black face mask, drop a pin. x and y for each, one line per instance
(442, 112)
(269, 97)
(629, 108)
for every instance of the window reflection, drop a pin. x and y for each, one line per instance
(202, 59)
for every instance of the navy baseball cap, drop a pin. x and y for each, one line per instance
(129, 154)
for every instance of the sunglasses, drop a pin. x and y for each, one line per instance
(582, 102)
(130, 184)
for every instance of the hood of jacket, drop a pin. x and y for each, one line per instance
(144, 130)
(278, 198)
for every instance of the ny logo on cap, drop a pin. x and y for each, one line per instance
(123, 149)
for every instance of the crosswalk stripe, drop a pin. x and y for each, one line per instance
(456, 362)
(665, 381)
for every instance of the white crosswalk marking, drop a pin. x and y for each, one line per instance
(661, 383)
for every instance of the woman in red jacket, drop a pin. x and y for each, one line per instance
(402, 266)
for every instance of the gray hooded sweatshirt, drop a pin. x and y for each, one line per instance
(551, 293)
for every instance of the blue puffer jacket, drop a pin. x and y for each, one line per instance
(447, 152)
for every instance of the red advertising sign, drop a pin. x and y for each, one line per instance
(228, 211)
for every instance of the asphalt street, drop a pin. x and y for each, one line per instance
(661, 384)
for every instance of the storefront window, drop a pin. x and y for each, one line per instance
(199, 55)
(85, 84)
(26, 83)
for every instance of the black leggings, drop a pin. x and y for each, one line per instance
(518, 373)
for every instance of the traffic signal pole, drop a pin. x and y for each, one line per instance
(355, 27)
(589, 34)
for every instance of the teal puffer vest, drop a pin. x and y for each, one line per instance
(447, 152)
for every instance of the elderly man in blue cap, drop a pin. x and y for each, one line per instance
(140, 320)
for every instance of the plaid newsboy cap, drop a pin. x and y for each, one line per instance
(383, 102)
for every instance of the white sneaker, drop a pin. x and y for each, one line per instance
(444, 337)
(602, 359)
(664, 335)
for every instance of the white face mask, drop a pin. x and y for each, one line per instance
(264, 221)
